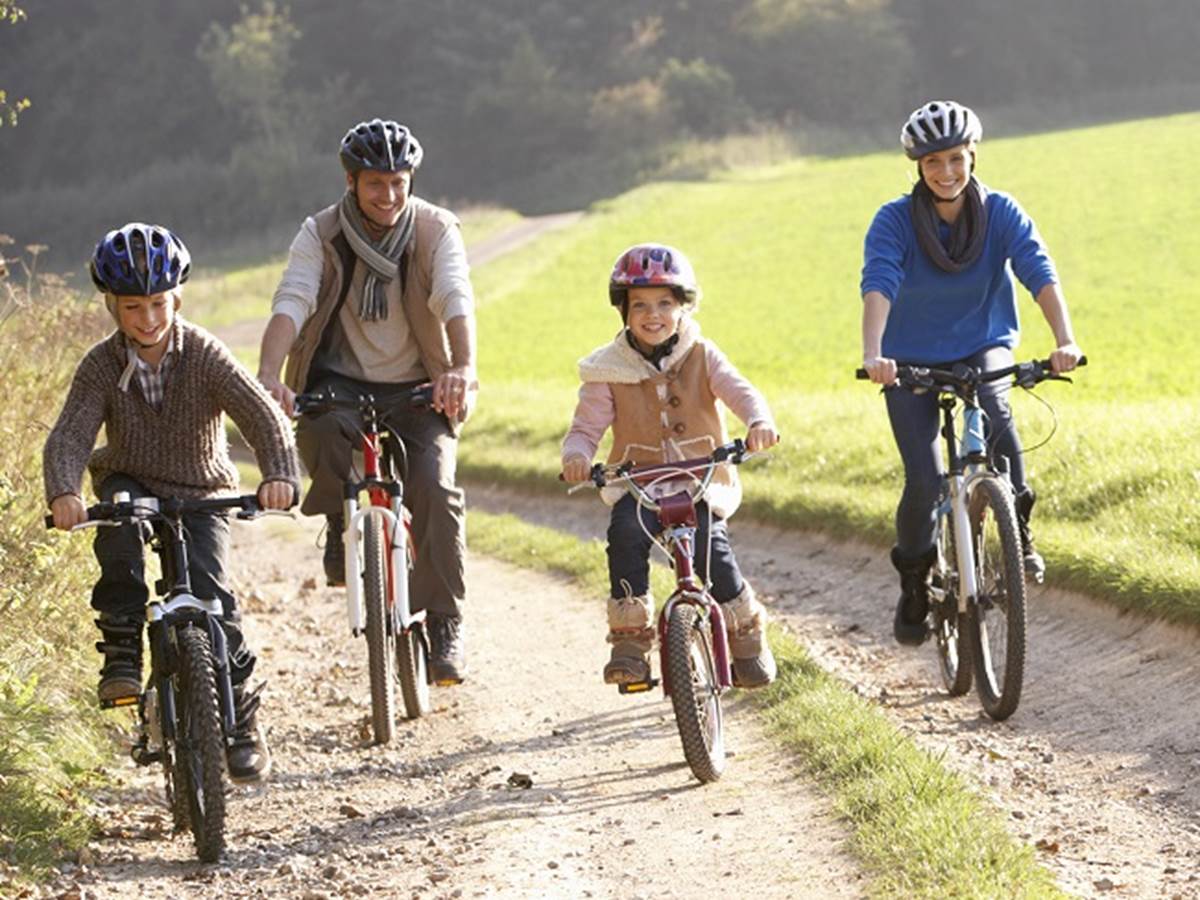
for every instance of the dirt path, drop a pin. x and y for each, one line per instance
(1100, 766)
(613, 810)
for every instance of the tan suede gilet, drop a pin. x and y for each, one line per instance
(428, 330)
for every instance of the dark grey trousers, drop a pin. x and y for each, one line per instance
(326, 444)
(915, 420)
(122, 588)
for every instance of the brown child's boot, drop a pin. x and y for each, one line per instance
(746, 625)
(631, 633)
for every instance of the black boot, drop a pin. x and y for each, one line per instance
(909, 626)
(447, 658)
(335, 552)
(121, 675)
(1035, 566)
(246, 755)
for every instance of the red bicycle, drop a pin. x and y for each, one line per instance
(693, 647)
(377, 595)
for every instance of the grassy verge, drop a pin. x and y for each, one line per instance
(919, 829)
(51, 734)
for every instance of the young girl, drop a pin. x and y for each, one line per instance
(657, 385)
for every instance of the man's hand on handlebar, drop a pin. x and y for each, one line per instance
(1065, 358)
(276, 495)
(451, 392)
(880, 369)
(282, 394)
(68, 511)
(760, 437)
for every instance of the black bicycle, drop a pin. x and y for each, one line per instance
(186, 710)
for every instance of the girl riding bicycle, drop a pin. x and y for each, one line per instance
(657, 385)
(159, 386)
(936, 291)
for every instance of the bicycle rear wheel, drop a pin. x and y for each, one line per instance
(381, 649)
(695, 691)
(199, 758)
(997, 618)
(949, 626)
(412, 663)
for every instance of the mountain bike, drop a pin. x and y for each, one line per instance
(693, 645)
(379, 558)
(977, 592)
(186, 710)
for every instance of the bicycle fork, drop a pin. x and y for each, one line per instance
(401, 616)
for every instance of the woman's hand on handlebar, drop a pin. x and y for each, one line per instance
(276, 495)
(1065, 358)
(760, 437)
(68, 511)
(576, 469)
(880, 369)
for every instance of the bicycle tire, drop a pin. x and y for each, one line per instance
(380, 638)
(412, 664)
(695, 692)
(199, 758)
(997, 617)
(950, 627)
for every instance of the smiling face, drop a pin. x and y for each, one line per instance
(146, 320)
(654, 315)
(381, 195)
(947, 172)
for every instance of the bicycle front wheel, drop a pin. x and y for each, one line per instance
(997, 617)
(381, 651)
(199, 758)
(950, 627)
(695, 691)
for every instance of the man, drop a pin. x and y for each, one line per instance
(377, 298)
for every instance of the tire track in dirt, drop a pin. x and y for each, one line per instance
(611, 811)
(1099, 768)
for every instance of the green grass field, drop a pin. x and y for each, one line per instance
(778, 252)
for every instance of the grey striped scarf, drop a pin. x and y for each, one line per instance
(382, 258)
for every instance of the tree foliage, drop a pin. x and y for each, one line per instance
(9, 110)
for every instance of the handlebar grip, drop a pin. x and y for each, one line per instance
(861, 375)
(49, 521)
(1082, 362)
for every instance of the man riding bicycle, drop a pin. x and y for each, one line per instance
(377, 298)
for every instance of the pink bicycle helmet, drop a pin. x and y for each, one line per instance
(650, 265)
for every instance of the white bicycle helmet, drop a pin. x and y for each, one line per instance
(937, 125)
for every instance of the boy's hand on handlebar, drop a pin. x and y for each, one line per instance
(576, 469)
(280, 392)
(451, 391)
(68, 511)
(275, 495)
(760, 437)
(880, 369)
(1065, 358)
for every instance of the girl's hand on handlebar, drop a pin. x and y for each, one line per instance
(1065, 358)
(760, 437)
(576, 469)
(275, 495)
(68, 511)
(880, 369)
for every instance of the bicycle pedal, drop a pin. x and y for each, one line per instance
(447, 682)
(120, 702)
(637, 687)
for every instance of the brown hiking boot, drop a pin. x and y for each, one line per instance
(121, 674)
(632, 637)
(746, 625)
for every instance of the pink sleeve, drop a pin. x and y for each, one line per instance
(593, 414)
(735, 391)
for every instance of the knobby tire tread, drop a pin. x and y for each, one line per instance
(380, 640)
(956, 679)
(200, 727)
(707, 763)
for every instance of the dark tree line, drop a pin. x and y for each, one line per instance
(224, 117)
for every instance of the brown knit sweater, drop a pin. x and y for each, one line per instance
(179, 450)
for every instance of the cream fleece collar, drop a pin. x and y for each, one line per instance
(619, 363)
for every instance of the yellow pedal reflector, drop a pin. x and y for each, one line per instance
(121, 701)
(448, 682)
(635, 687)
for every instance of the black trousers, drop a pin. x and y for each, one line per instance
(122, 589)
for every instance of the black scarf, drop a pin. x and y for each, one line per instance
(966, 234)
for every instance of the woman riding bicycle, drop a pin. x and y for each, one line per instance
(937, 291)
(657, 384)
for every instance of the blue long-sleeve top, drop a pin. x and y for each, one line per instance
(939, 316)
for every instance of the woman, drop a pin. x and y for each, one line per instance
(937, 290)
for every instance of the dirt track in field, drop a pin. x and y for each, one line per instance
(611, 811)
(1099, 768)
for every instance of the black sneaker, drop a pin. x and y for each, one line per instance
(447, 658)
(909, 625)
(247, 757)
(1035, 566)
(335, 552)
(121, 674)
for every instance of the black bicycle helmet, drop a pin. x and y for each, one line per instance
(938, 125)
(381, 146)
(140, 260)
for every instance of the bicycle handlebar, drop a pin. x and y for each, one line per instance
(141, 508)
(1025, 374)
(635, 476)
(419, 397)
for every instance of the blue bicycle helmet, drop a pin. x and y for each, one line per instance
(382, 146)
(140, 260)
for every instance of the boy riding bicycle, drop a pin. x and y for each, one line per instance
(159, 385)
(657, 385)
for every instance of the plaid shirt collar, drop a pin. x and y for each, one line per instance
(154, 380)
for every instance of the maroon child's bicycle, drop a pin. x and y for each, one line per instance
(693, 647)
(377, 596)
